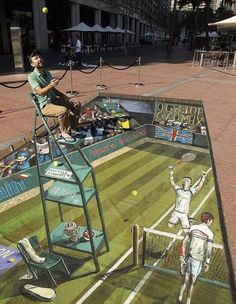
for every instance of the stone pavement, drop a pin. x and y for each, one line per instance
(173, 78)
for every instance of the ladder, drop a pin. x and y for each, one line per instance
(68, 187)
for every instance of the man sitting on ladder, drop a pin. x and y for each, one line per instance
(51, 101)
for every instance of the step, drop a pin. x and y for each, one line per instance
(62, 172)
(59, 238)
(68, 194)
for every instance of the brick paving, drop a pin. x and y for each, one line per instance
(174, 78)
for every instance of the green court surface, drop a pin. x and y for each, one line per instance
(143, 168)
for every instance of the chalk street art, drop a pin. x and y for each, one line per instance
(155, 182)
(104, 128)
(9, 257)
(184, 114)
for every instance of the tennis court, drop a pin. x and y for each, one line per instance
(143, 168)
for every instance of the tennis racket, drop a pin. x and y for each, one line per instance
(183, 267)
(187, 157)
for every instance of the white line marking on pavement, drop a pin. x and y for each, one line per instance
(176, 84)
(121, 260)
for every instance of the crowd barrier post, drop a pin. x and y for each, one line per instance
(137, 84)
(234, 61)
(201, 60)
(227, 61)
(101, 85)
(71, 92)
(194, 57)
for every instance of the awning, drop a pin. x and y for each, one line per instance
(119, 30)
(130, 32)
(110, 29)
(98, 28)
(229, 23)
(81, 27)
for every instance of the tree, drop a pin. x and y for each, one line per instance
(172, 26)
(222, 13)
(196, 4)
(208, 3)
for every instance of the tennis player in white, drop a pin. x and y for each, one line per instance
(199, 253)
(184, 195)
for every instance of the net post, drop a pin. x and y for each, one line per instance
(144, 247)
(135, 231)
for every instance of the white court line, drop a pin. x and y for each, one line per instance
(121, 260)
(148, 274)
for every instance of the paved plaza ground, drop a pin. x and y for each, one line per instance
(173, 78)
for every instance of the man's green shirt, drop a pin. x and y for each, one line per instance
(37, 79)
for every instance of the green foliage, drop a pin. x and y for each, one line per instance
(222, 13)
(195, 4)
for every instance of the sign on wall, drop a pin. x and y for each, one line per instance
(183, 114)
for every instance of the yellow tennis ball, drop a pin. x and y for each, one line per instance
(45, 10)
(11, 260)
(134, 192)
(56, 163)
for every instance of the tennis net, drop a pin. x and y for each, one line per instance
(160, 252)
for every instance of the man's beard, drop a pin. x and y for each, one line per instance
(40, 65)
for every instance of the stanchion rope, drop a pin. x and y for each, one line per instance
(67, 69)
(121, 69)
(11, 87)
(90, 72)
(25, 81)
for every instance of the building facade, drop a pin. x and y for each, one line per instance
(43, 29)
(229, 5)
(215, 4)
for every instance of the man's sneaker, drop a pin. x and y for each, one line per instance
(67, 138)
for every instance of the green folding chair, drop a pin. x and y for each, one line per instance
(52, 261)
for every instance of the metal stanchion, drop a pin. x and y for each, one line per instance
(71, 92)
(137, 84)
(101, 85)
